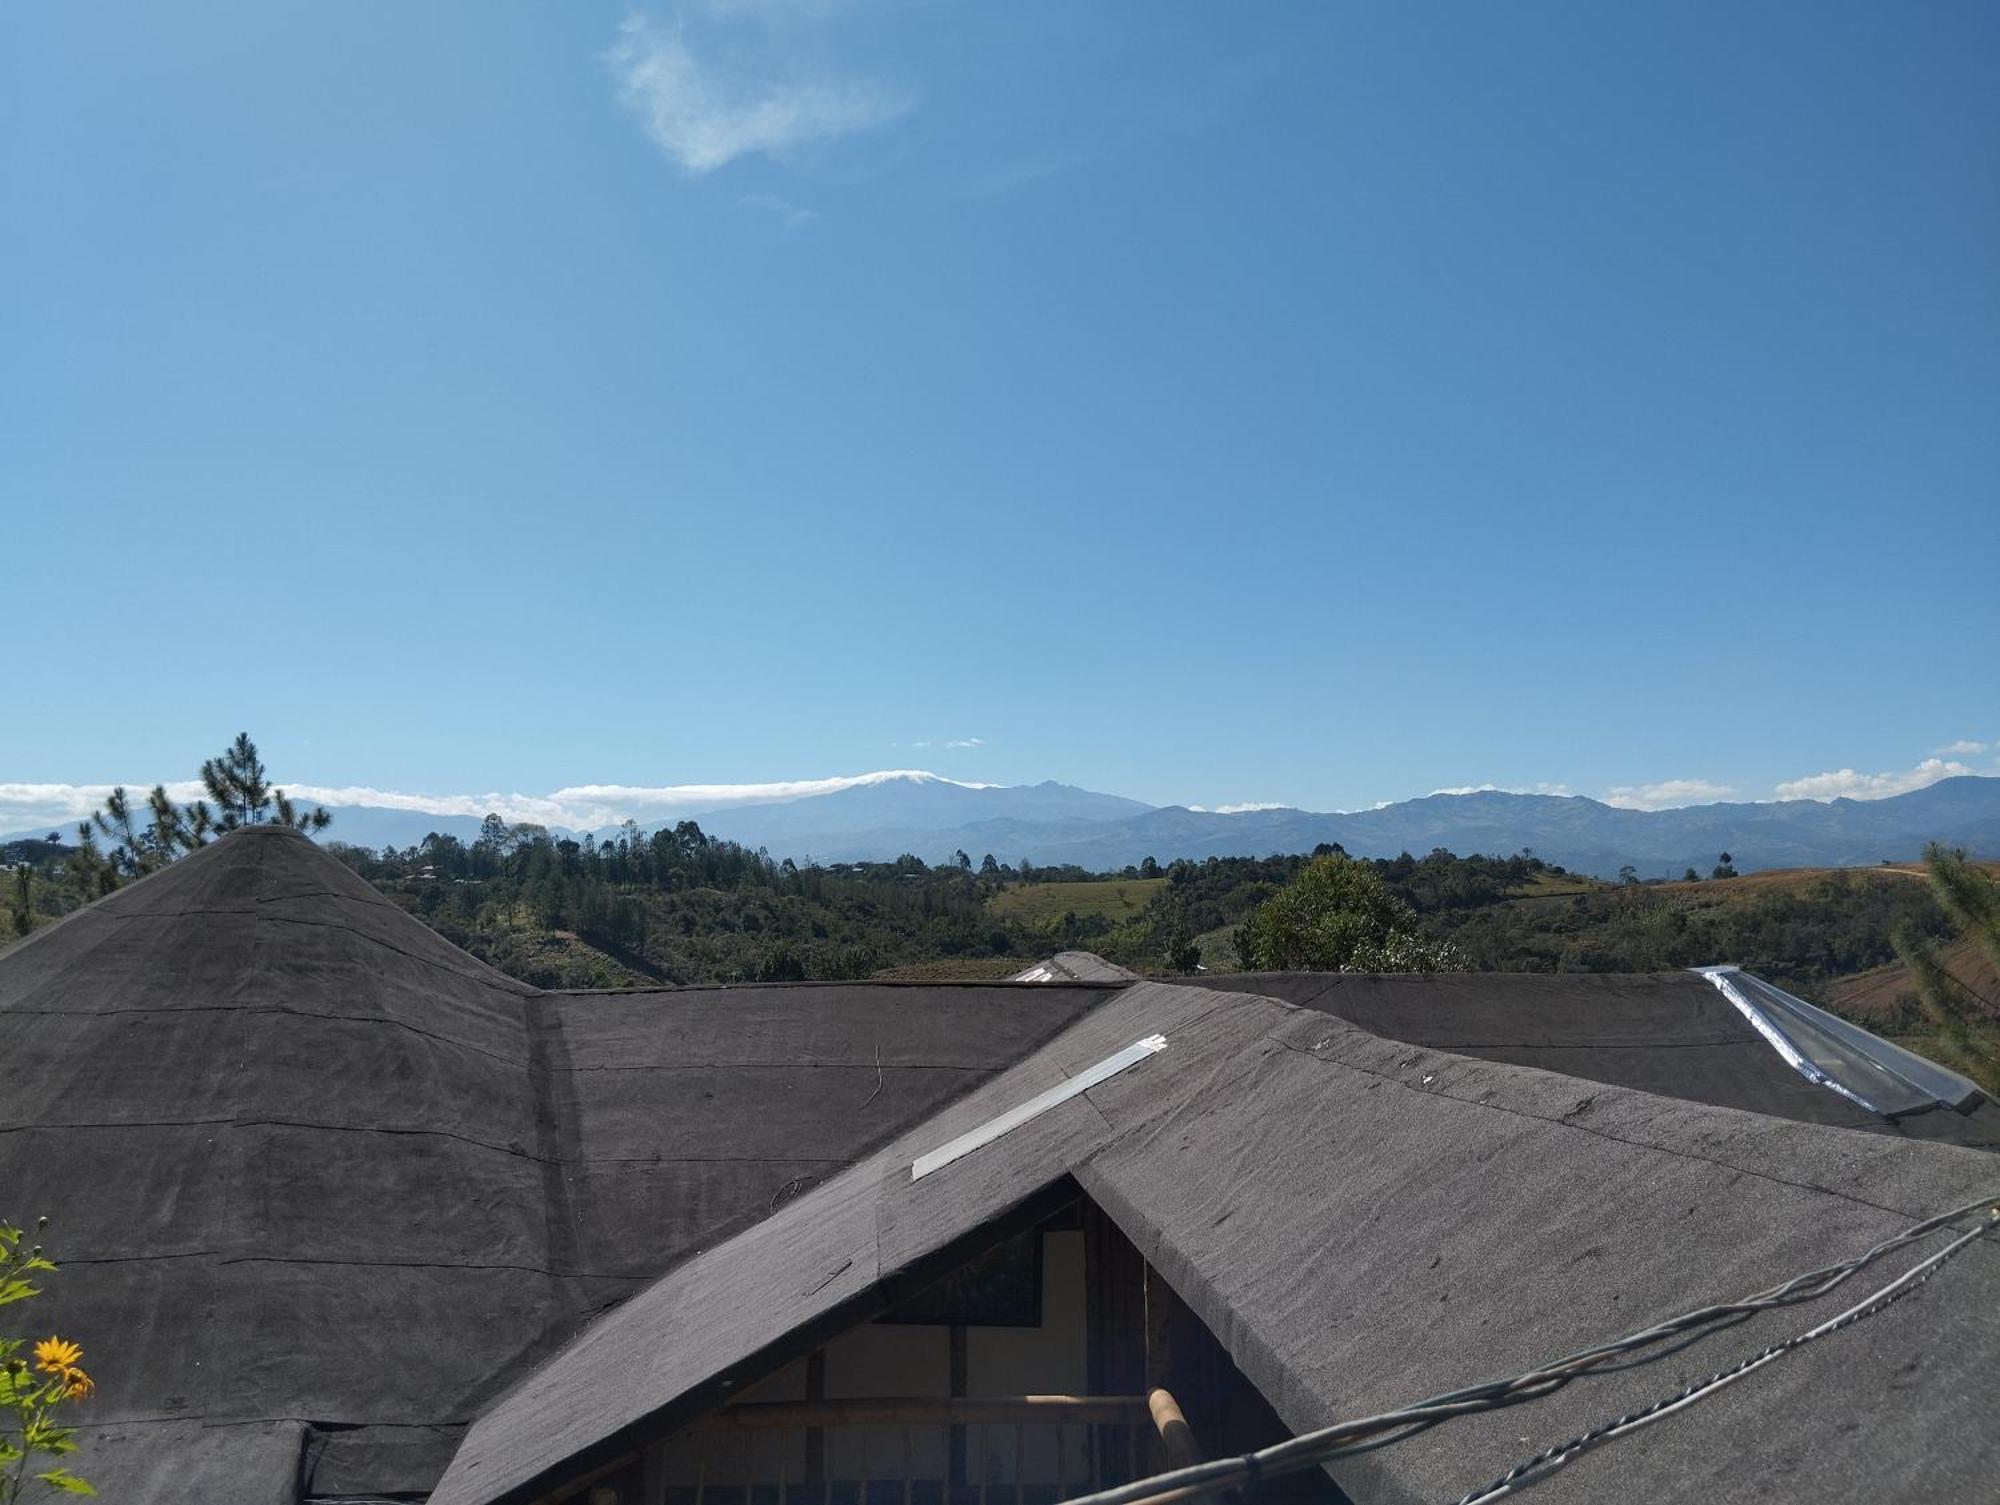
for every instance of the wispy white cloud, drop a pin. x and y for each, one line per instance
(790, 217)
(24, 807)
(1964, 747)
(966, 742)
(1246, 807)
(1668, 794)
(1020, 174)
(1845, 783)
(703, 117)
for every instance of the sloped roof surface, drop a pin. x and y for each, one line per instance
(329, 1187)
(1362, 1223)
(323, 1180)
(1670, 1033)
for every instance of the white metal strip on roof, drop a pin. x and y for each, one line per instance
(1040, 1103)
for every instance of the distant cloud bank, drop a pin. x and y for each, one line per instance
(1846, 783)
(23, 807)
(27, 807)
(1667, 793)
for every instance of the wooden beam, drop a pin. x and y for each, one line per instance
(927, 1411)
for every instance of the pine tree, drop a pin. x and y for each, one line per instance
(1967, 1023)
(243, 795)
(139, 845)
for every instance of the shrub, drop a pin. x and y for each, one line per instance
(33, 1390)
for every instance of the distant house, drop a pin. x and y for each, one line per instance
(350, 1217)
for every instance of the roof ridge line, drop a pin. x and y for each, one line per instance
(1602, 1089)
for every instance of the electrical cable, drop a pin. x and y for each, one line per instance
(1553, 1458)
(1327, 1443)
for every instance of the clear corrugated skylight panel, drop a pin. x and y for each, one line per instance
(1875, 1073)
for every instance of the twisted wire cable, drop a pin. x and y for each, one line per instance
(1553, 1458)
(1325, 1444)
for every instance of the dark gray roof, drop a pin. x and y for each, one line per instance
(329, 1188)
(1362, 1223)
(318, 1176)
(1672, 1033)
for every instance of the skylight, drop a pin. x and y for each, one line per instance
(1862, 1067)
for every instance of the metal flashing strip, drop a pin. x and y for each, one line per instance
(1723, 979)
(1873, 1073)
(1035, 1106)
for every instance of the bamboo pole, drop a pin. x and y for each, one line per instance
(1176, 1437)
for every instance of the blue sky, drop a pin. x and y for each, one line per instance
(1319, 403)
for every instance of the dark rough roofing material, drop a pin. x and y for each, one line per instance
(1363, 1222)
(321, 1180)
(1672, 1033)
(328, 1186)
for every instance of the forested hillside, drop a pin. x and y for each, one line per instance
(679, 906)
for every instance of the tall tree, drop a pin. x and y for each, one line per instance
(1339, 916)
(144, 843)
(1967, 1022)
(243, 794)
(140, 845)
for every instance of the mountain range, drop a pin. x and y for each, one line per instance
(1052, 823)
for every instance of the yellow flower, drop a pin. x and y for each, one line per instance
(53, 1355)
(76, 1384)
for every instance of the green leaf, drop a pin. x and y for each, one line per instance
(67, 1482)
(16, 1290)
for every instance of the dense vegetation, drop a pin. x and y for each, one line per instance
(1338, 915)
(677, 905)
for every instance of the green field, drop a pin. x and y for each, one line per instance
(1116, 899)
(1560, 886)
